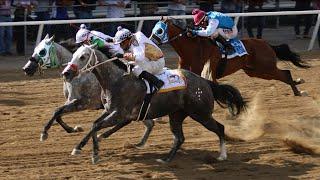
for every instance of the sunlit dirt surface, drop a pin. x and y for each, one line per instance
(27, 103)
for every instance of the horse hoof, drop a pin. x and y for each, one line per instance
(222, 158)
(75, 152)
(43, 137)
(303, 93)
(300, 81)
(139, 146)
(162, 161)
(99, 137)
(95, 159)
(78, 129)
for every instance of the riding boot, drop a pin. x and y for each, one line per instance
(152, 79)
(226, 44)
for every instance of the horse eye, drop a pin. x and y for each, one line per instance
(159, 31)
(43, 52)
(82, 57)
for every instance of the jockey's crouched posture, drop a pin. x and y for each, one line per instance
(104, 42)
(147, 56)
(215, 25)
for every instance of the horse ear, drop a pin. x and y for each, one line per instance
(93, 46)
(51, 39)
(47, 36)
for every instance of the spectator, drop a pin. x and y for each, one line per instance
(83, 8)
(302, 5)
(43, 13)
(115, 9)
(5, 31)
(148, 9)
(22, 7)
(206, 5)
(60, 12)
(178, 7)
(231, 6)
(255, 6)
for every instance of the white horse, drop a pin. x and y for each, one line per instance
(82, 93)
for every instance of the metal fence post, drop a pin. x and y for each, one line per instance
(315, 33)
(25, 31)
(40, 31)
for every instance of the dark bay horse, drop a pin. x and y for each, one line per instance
(260, 62)
(126, 94)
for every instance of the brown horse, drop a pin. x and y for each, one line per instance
(260, 62)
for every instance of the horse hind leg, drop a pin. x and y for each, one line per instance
(277, 74)
(148, 123)
(285, 76)
(214, 126)
(176, 120)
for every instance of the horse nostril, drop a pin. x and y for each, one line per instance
(66, 74)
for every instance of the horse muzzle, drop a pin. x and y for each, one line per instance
(70, 72)
(30, 68)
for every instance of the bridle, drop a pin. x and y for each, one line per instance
(91, 64)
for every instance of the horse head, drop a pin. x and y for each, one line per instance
(83, 58)
(44, 55)
(166, 31)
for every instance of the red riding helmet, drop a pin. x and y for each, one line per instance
(198, 16)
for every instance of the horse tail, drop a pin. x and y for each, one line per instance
(227, 95)
(284, 53)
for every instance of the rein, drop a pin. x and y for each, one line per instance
(89, 67)
(177, 36)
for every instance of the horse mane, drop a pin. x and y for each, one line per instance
(118, 63)
(69, 44)
(205, 39)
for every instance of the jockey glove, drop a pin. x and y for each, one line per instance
(119, 55)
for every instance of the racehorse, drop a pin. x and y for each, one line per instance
(126, 93)
(82, 93)
(260, 62)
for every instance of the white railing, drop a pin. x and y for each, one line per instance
(142, 19)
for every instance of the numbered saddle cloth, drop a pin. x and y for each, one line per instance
(173, 80)
(239, 49)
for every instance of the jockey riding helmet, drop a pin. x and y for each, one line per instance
(122, 35)
(198, 16)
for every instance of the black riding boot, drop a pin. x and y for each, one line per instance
(152, 79)
(227, 45)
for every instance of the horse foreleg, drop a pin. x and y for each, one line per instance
(105, 120)
(57, 116)
(113, 130)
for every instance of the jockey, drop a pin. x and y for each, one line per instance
(103, 41)
(147, 56)
(215, 25)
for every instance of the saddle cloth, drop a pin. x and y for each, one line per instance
(238, 46)
(172, 79)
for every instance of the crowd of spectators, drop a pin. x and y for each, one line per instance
(21, 10)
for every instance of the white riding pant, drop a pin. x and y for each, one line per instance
(226, 33)
(153, 67)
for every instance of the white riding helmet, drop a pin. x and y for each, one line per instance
(121, 35)
(82, 34)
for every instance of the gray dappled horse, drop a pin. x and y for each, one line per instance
(82, 93)
(126, 94)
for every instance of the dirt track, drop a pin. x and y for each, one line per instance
(27, 103)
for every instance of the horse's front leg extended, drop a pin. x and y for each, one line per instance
(70, 107)
(149, 123)
(105, 120)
